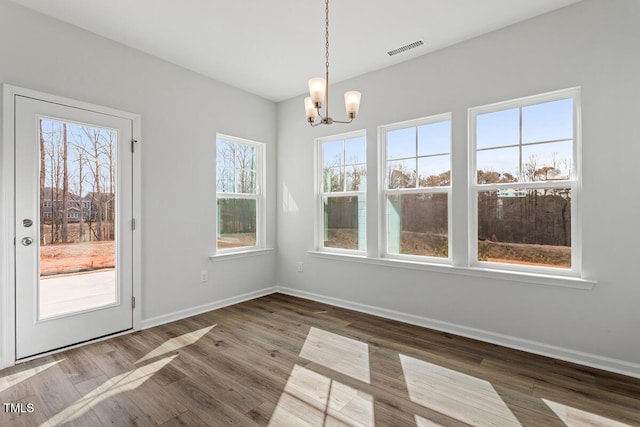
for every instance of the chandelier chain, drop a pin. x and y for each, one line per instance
(326, 32)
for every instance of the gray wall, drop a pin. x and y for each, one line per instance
(181, 112)
(592, 44)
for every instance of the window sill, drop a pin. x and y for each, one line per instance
(240, 254)
(485, 273)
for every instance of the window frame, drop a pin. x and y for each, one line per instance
(321, 194)
(573, 182)
(384, 191)
(258, 196)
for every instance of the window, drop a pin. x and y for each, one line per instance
(239, 189)
(524, 183)
(417, 188)
(342, 184)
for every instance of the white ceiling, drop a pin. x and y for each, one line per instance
(271, 48)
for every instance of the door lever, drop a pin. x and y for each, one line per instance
(26, 241)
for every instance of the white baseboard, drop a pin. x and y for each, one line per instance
(587, 359)
(177, 315)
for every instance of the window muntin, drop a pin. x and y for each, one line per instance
(239, 199)
(417, 188)
(342, 175)
(525, 184)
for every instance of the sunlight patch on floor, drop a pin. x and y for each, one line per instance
(342, 354)
(176, 343)
(11, 380)
(313, 399)
(424, 422)
(113, 386)
(573, 417)
(457, 395)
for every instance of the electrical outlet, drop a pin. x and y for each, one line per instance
(300, 266)
(204, 276)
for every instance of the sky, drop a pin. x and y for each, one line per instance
(79, 147)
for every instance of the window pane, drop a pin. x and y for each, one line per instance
(530, 227)
(498, 165)
(345, 222)
(356, 178)
(418, 224)
(333, 179)
(78, 245)
(434, 171)
(246, 156)
(333, 153)
(246, 181)
(356, 150)
(401, 173)
(542, 162)
(498, 129)
(434, 138)
(401, 143)
(236, 223)
(549, 121)
(236, 165)
(225, 180)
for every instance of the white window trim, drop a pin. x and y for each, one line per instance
(258, 196)
(320, 194)
(384, 192)
(574, 183)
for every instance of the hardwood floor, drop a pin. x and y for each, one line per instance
(280, 360)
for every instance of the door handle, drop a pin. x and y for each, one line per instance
(26, 241)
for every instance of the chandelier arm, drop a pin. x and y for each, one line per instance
(343, 122)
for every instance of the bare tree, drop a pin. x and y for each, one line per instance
(43, 171)
(53, 155)
(65, 185)
(93, 157)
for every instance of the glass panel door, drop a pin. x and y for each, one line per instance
(73, 207)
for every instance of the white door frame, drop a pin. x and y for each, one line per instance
(7, 212)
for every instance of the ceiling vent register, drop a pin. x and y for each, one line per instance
(405, 48)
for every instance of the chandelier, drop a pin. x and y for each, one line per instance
(319, 91)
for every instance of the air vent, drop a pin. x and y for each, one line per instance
(405, 48)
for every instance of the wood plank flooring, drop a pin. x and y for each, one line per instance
(285, 361)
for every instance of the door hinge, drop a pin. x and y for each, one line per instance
(133, 302)
(133, 224)
(133, 145)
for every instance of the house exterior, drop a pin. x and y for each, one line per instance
(86, 208)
